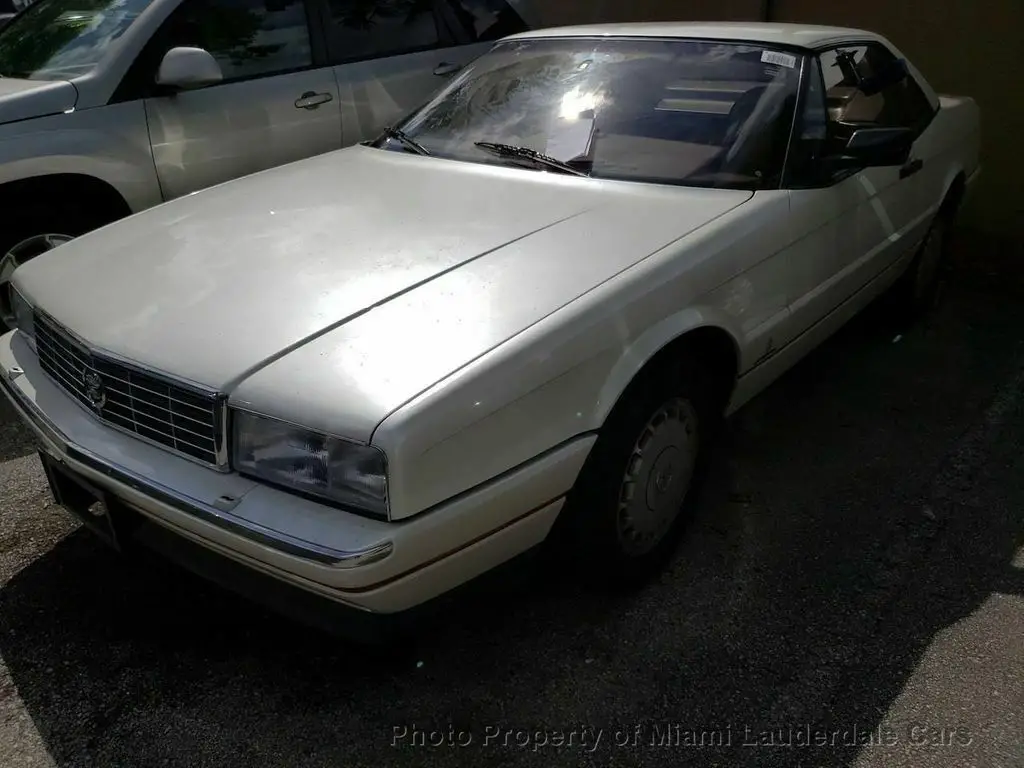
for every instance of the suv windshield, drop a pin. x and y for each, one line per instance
(61, 39)
(686, 112)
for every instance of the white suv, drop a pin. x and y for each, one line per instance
(108, 107)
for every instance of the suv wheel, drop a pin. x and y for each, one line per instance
(34, 232)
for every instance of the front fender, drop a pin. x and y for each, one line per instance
(648, 344)
(569, 375)
(109, 143)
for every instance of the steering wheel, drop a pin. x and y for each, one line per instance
(757, 132)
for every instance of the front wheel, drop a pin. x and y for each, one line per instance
(27, 249)
(636, 492)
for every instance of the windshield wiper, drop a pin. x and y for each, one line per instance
(406, 141)
(525, 153)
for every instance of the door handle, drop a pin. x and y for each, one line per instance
(446, 68)
(911, 168)
(312, 100)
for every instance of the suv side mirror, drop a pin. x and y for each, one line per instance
(874, 148)
(184, 68)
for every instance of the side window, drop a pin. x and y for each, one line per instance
(367, 30)
(849, 74)
(486, 20)
(248, 38)
(843, 95)
(839, 69)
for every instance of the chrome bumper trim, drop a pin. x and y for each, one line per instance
(61, 449)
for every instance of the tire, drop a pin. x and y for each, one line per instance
(636, 492)
(34, 230)
(919, 289)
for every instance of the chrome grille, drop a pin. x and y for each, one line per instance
(168, 414)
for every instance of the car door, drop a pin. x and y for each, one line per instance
(393, 55)
(850, 226)
(277, 102)
(822, 213)
(892, 218)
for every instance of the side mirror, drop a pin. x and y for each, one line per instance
(874, 148)
(185, 68)
(881, 146)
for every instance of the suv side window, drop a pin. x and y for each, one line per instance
(486, 20)
(248, 38)
(366, 30)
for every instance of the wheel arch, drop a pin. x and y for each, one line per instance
(690, 335)
(55, 188)
(956, 190)
(664, 348)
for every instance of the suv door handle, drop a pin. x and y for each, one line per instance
(911, 168)
(446, 68)
(312, 100)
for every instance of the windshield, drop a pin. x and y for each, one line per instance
(684, 112)
(61, 39)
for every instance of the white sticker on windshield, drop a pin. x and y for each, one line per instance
(782, 59)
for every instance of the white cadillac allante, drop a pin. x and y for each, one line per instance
(515, 318)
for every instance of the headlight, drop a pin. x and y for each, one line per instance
(349, 474)
(18, 312)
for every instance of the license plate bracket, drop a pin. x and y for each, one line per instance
(93, 506)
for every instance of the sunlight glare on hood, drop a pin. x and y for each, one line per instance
(433, 330)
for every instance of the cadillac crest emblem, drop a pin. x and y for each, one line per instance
(95, 392)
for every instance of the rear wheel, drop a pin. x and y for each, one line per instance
(927, 274)
(635, 494)
(921, 287)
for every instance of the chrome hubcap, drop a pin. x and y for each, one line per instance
(657, 477)
(27, 249)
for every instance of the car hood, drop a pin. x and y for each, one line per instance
(217, 285)
(25, 99)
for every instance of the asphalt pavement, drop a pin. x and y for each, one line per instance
(852, 593)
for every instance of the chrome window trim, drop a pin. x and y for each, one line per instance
(218, 399)
(58, 446)
(798, 108)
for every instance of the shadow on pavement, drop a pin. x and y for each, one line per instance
(869, 500)
(15, 439)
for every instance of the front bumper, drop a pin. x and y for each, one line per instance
(372, 566)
